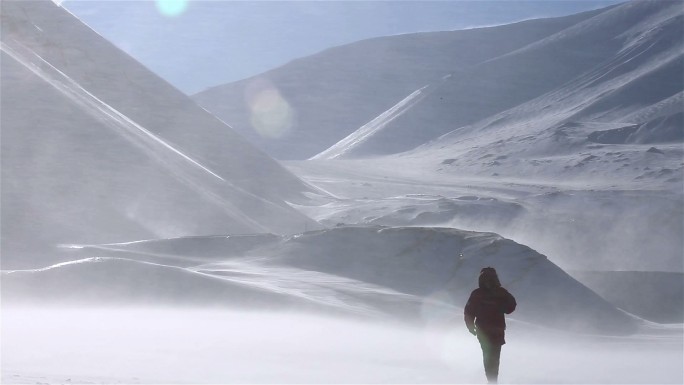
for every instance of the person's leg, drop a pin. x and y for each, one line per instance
(491, 356)
(486, 345)
(494, 360)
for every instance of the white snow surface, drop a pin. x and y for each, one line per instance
(145, 346)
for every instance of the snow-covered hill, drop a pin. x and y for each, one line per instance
(325, 97)
(614, 78)
(96, 149)
(404, 272)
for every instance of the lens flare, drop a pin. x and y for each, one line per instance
(271, 115)
(171, 7)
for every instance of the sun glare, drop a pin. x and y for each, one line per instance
(271, 114)
(171, 7)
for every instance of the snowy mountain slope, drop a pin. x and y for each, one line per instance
(622, 119)
(624, 61)
(400, 272)
(97, 149)
(333, 93)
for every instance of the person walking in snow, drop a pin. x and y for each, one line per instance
(484, 317)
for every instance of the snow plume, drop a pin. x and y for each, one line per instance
(620, 230)
(577, 229)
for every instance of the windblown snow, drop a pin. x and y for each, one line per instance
(383, 296)
(146, 241)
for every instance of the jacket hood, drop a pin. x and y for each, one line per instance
(488, 278)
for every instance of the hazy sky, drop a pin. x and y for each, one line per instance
(198, 44)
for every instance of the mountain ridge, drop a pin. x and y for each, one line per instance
(356, 78)
(556, 64)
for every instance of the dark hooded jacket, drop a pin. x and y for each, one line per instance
(487, 305)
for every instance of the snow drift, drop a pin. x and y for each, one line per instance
(404, 273)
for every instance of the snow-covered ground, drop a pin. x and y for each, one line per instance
(129, 345)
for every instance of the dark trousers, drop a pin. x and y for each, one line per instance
(491, 354)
